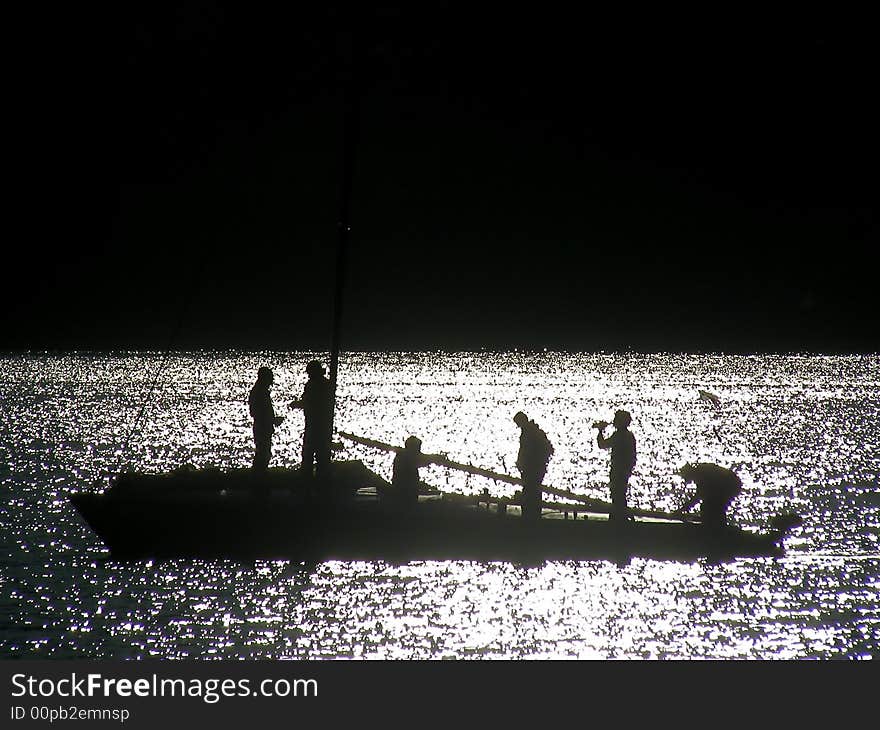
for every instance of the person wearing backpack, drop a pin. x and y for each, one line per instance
(535, 451)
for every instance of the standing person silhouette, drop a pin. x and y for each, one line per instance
(534, 454)
(623, 459)
(316, 403)
(265, 420)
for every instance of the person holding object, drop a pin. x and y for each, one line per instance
(265, 420)
(316, 403)
(535, 451)
(623, 459)
(716, 487)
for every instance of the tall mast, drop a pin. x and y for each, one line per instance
(351, 121)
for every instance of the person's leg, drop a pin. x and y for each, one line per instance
(618, 498)
(262, 451)
(322, 457)
(712, 514)
(308, 453)
(531, 500)
(538, 494)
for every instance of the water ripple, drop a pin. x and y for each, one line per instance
(801, 431)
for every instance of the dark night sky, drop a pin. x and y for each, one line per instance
(539, 179)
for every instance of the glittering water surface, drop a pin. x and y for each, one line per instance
(802, 432)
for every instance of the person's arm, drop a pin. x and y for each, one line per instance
(300, 402)
(735, 487)
(263, 413)
(270, 413)
(605, 443)
(690, 503)
(395, 470)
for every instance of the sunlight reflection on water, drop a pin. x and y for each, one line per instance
(800, 431)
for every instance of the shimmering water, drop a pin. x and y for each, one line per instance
(802, 432)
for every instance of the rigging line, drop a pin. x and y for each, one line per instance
(126, 377)
(163, 363)
(146, 402)
(351, 128)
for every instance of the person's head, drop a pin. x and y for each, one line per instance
(521, 419)
(622, 419)
(265, 376)
(413, 443)
(686, 472)
(314, 369)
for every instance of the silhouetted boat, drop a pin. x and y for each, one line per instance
(229, 515)
(285, 514)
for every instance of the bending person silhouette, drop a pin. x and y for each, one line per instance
(265, 420)
(316, 403)
(623, 459)
(535, 451)
(716, 487)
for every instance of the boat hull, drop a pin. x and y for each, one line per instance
(305, 527)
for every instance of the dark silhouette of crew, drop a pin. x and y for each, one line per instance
(534, 454)
(316, 403)
(716, 488)
(265, 420)
(623, 460)
(405, 473)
